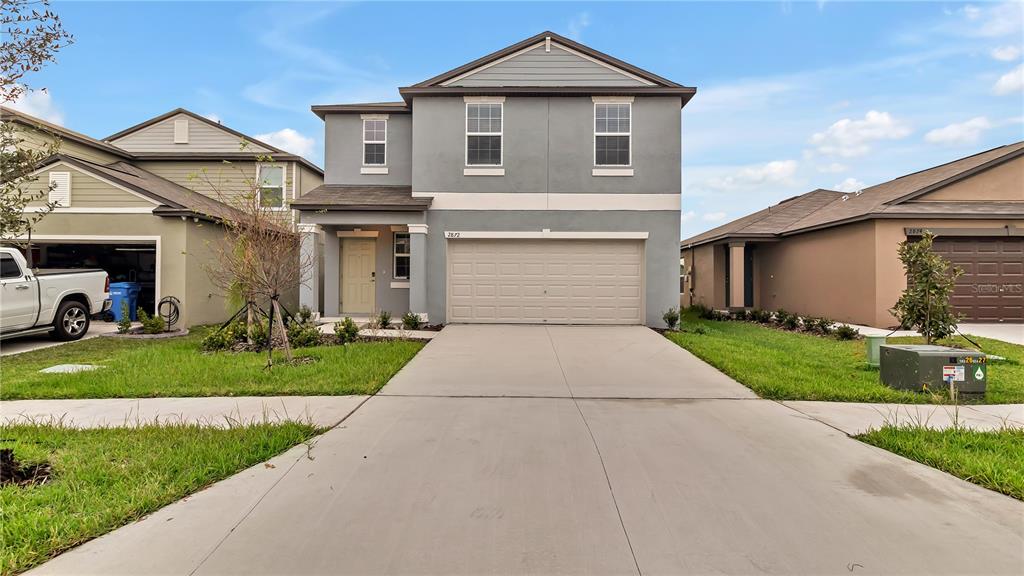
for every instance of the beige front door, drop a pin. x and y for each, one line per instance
(357, 275)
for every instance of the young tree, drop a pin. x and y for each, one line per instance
(260, 256)
(925, 305)
(30, 36)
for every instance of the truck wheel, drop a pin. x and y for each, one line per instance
(71, 321)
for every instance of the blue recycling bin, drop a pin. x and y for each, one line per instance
(124, 292)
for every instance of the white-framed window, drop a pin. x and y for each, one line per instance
(483, 133)
(270, 179)
(612, 134)
(402, 255)
(375, 142)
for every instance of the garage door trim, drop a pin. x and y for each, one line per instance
(546, 234)
(102, 239)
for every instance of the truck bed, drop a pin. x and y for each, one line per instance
(55, 271)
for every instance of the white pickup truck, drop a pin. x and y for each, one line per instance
(58, 301)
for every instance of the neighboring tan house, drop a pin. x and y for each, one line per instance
(132, 205)
(834, 254)
(538, 184)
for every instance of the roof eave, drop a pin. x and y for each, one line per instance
(685, 93)
(957, 177)
(320, 207)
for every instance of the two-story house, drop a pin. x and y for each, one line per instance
(145, 204)
(538, 184)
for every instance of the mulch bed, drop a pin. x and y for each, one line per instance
(137, 334)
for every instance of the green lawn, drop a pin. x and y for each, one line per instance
(994, 460)
(176, 367)
(103, 479)
(792, 366)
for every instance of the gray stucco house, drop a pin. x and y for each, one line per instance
(538, 184)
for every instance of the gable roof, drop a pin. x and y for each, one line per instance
(275, 152)
(174, 199)
(12, 115)
(648, 82)
(893, 199)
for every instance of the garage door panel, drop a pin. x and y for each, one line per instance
(990, 290)
(546, 281)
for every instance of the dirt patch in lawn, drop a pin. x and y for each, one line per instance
(14, 472)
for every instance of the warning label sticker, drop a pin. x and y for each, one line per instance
(955, 373)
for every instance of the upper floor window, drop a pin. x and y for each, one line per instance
(375, 138)
(271, 184)
(612, 134)
(483, 134)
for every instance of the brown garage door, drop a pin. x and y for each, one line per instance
(992, 287)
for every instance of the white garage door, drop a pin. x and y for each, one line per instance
(545, 281)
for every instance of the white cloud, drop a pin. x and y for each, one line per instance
(848, 138)
(577, 24)
(770, 173)
(833, 168)
(687, 216)
(40, 104)
(971, 12)
(1011, 82)
(960, 132)
(1006, 53)
(743, 95)
(849, 185)
(289, 140)
(713, 217)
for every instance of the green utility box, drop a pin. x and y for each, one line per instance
(924, 367)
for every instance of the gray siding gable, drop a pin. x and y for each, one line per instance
(202, 137)
(537, 66)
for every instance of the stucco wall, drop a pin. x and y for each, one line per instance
(826, 273)
(661, 250)
(394, 300)
(1004, 183)
(708, 283)
(547, 146)
(343, 150)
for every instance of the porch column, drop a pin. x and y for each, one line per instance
(737, 278)
(332, 274)
(309, 260)
(418, 269)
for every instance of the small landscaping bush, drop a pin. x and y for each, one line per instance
(671, 318)
(821, 326)
(761, 316)
(702, 311)
(151, 324)
(305, 315)
(383, 320)
(411, 321)
(346, 331)
(303, 334)
(125, 323)
(844, 332)
(791, 322)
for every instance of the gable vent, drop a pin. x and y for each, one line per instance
(60, 189)
(181, 131)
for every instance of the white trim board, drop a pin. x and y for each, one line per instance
(542, 201)
(545, 234)
(86, 210)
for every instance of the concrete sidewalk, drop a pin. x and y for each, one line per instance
(858, 417)
(323, 411)
(1007, 332)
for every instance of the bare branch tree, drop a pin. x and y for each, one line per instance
(30, 36)
(260, 256)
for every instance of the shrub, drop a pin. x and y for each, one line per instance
(383, 320)
(761, 316)
(305, 315)
(702, 311)
(346, 331)
(844, 332)
(700, 330)
(791, 322)
(125, 323)
(780, 315)
(671, 318)
(217, 340)
(303, 334)
(151, 324)
(411, 321)
(823, 326)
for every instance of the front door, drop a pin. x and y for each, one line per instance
(357, 275)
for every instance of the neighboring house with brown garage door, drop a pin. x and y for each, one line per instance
(834, 254)
(131, 204)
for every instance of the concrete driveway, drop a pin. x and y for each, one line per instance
(550, 450)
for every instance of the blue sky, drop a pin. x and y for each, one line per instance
(791, 96)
